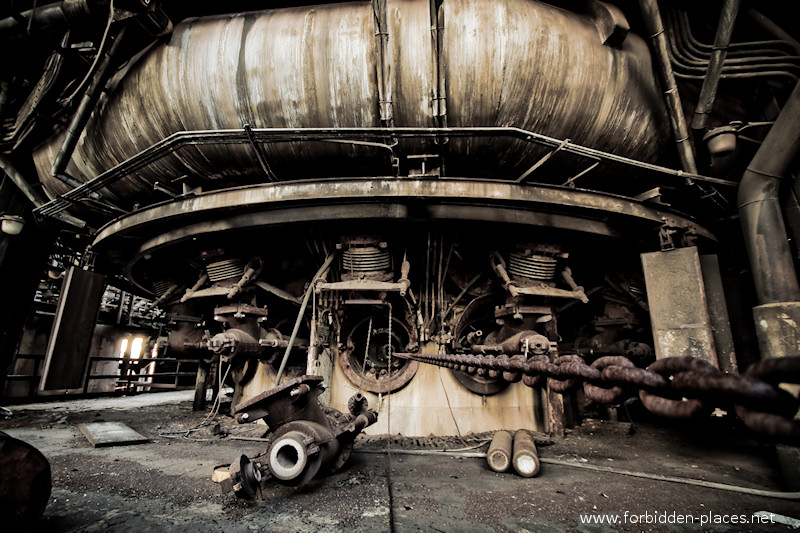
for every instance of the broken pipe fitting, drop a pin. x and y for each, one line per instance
(304, 440)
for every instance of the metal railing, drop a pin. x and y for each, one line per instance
(375, 137)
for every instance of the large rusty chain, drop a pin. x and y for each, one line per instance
(675, 387)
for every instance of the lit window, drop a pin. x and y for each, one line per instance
(123, 347)
(136, 347)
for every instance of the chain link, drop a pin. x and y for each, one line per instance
(674, 387)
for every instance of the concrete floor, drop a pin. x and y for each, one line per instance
(165, 485)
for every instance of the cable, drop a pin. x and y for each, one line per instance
(450, 407)
(682, 480)
(644, 475)
(389, 487)
(184, 434)
(97, 55)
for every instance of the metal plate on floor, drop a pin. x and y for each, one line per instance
(102, 434)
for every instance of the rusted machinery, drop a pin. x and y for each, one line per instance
(305, 439)
(352, 189)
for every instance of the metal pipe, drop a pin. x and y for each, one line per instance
(774, 29)
(500, 451)
(323, 270)
(181, 139)
(708, 93)
(652, 19)
(525, 459)
(760, 209)
(46, 18)
(384, 63)
(85, 108)
(20, 181)
(32, 194)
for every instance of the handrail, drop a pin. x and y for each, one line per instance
(182, 139)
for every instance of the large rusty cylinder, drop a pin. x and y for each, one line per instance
(25, 484)
(515, 63)
(525, 458)
(500, 451)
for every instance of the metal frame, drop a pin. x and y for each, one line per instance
(270, 205)
(251, 136)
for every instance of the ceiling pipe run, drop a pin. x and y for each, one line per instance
(708, 93)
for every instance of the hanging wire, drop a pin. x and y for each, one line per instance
(186, 434)
(89, 73)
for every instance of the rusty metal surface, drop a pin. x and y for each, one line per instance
(25, 484)
(675, 387)
(678, 306)
(270, 205)
(71, 337)
(319, 67)
(538, 67)
(304, 437)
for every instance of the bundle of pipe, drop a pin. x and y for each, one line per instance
(690, 57)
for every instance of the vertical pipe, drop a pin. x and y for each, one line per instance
(719, 52)
(760, 211)
(200, 387)
(440, 88)
(652, 19)
(322, 272)
(84, 111)
(384, 63)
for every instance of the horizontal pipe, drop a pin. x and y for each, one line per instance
(181, 139)
(760, 209)
(45, 19)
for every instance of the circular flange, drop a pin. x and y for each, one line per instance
(288, 456)
(367, 367)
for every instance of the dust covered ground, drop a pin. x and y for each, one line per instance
(165, 485)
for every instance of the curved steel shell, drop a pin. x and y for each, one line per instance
(501, 63)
